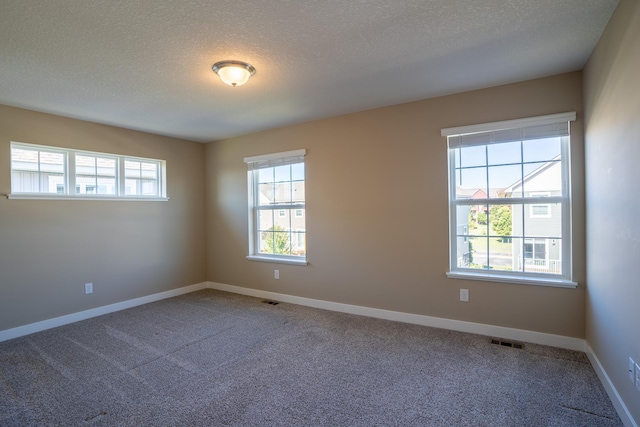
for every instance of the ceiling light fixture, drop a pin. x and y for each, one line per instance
(234, 73)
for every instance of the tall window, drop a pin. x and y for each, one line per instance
(276, 207)
(509, 200)
(53, 172)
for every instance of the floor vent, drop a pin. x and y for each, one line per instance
(271, 302)
(503, 343)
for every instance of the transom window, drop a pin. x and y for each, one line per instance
(276, 207)
(53, 172)
(509, 200)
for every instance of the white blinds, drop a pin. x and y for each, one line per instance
(512, 130)
(275, 159)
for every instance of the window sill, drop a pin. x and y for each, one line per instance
(505, 278)
(27, 196)
(277, 260)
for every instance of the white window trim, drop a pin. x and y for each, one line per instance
(564, 280)
(70, 176)
(254, 240)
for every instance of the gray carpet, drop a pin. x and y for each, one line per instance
(216, 359)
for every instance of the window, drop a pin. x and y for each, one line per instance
(276, 195)
(52, 172)
(509, 201)
(540, 211)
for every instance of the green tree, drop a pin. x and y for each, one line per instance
(500, 216)
(277, 241)
(482, 218)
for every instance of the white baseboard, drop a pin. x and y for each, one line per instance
(418, 319)
(617, 401)
(31, 328)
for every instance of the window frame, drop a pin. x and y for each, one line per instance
(520, 277)
(255, 164)
(71, 174)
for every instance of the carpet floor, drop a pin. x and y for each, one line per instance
(212, 358)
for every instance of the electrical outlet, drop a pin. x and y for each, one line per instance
(632, 376)
(88, 288)
(464, 295)
(638, 377)
(276, 274)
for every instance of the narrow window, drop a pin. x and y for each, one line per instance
(276, 207)
(53, 172)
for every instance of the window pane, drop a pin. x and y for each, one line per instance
(282, 173)
(549, 225)
(266, 194)
(283, 192)
(298, 243)
(51, 162)
(503, 177)
(132, 169)
(149, 171)
(478, 220)
(275, 241)
(297, 194)
(543, 178)
(297, 172)
(141, 178)
(106, 185)
(479, 255)
(469, 181)
(24, 160)
(473, 156)
(265, 219)
(541, 150)
(499, 154)
(149, 187)
(265, 175)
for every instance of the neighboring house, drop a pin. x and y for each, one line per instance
(541, 223)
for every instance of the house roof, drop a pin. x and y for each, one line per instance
(147, 65)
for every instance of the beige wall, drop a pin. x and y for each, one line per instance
(49, 249)
(612, 128)
(377, 216)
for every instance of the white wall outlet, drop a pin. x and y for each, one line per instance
(632, 376)
(638, 377)
(464, 295)
(88, 288)
(276, 274)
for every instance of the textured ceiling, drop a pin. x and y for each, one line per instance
(146, 65)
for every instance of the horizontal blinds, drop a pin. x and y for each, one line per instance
(542, 127)
(275, 159)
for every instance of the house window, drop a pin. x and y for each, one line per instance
(53, 172)
(540, 210)
(509, 196)
(276, 207)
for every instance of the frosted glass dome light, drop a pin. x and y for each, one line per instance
(234, 73)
